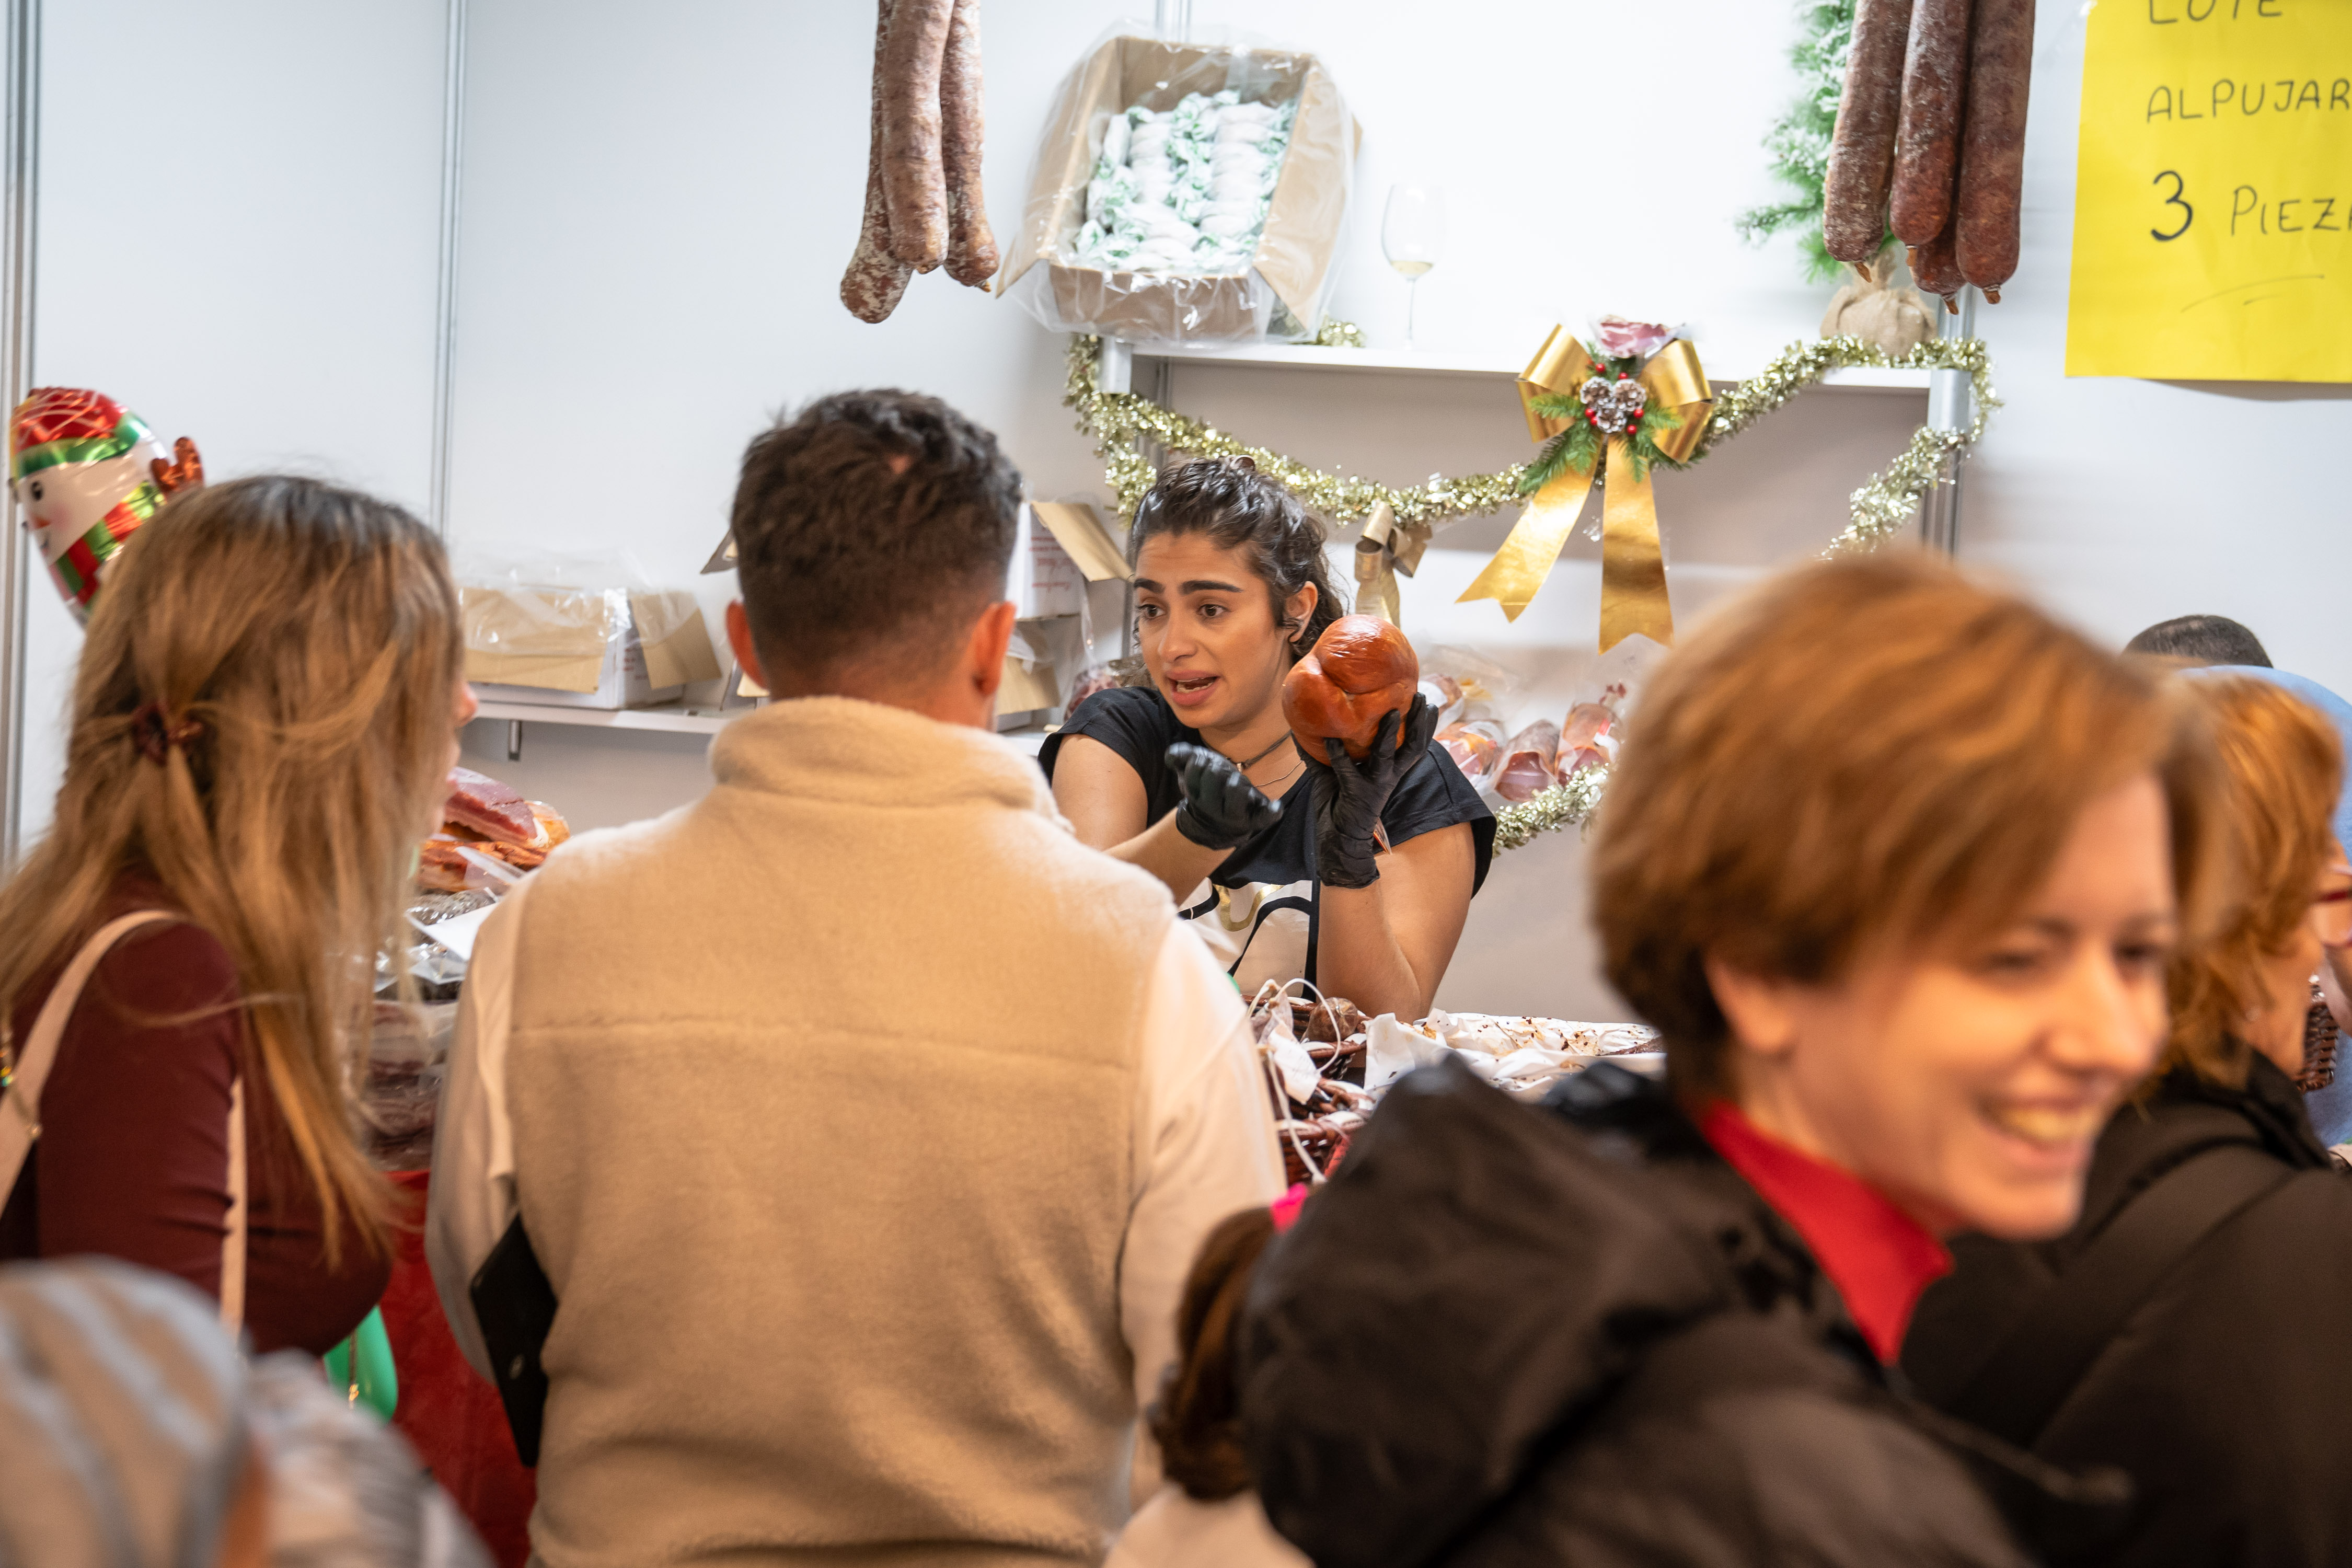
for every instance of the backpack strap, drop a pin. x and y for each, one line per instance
(2021, 1385)
(20, 1101)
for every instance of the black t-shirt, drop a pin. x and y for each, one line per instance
(1257, 911)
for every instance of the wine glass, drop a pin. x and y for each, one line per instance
(1413, 232)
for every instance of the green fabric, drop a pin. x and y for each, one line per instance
(376, 1384)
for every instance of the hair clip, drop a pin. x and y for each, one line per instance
(156, 732)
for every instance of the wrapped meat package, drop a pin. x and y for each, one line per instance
(1477, 748)
(1526, 770)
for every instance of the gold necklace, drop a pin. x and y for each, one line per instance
(1267, 789)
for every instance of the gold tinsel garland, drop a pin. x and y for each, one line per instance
(1120, 421)
(1565, 804)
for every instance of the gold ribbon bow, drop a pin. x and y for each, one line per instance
(1387, 548)
(1632, 571)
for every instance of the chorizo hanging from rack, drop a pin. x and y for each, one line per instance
(913, 178)
(1933, 269)
(1927, 134)
(1992, 151)
(1862, 148)
(876, 279)
(972, 249)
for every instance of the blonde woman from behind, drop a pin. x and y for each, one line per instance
(1206, 1515)
(262, 721)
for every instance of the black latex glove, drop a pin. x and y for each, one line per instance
(1222, 808)
(1350, 796)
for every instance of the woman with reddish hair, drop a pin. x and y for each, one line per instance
(2183, 1328)
(1895, 864)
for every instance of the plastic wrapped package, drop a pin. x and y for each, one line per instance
(580, 634)
(408, 1053)
(1186, 192)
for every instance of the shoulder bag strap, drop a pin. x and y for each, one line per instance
(2022, 1385)
(20, 1111)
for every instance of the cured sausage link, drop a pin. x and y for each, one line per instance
(876, 279)
(913, 179)
(971, 249)
(1993, 153)
(1933, 269)
(1928, 135)
(1862, 149)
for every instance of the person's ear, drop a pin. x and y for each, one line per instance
(991, 635)
(1297, 610)
(738, 638)
(1759, 1010)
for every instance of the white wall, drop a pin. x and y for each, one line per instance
(656, 220)
(238, 238)
(659, 209)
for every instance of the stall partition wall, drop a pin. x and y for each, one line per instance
(238, 235)
(656, 216)
(656, 208)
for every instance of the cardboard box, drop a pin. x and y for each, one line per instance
(573, 647)
(1281, 294)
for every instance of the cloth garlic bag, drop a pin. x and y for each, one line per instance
(1894, 320)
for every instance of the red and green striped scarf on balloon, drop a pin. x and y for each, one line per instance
(87, 473)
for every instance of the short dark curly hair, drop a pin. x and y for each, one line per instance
(1239, 508)
(871, 528)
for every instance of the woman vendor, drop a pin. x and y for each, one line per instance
(1354, 875)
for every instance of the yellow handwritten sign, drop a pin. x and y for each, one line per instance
(2214, 194)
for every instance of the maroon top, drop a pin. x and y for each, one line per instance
(133, 1159)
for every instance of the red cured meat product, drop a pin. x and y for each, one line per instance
(1927, 134)
(1526, 769)
(481, 803)
(1580, 737)
(1475, 748)
(1936, 270)
(1993, 153)
(1862, 149)
(971, 249)
(914, 178)
(1361, 670)
(876, 279)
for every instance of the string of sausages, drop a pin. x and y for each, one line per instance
(1930, 140)
(923, 202)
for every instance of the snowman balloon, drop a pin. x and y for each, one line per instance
(87, 474)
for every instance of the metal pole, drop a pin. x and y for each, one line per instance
(1951, 402)
(18, 256)
(445, 322)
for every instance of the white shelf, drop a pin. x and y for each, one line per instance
(675, 717)
(1445, 362)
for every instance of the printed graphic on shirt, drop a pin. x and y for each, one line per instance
(1259, 931)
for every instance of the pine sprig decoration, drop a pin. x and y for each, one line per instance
(1581, 447)
(1799, 140)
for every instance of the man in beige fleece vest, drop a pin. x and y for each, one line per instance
(864, 1122)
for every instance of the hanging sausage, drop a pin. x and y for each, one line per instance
(1939, 156)
(924, 205)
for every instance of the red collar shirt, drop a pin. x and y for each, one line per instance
(1878, 1256)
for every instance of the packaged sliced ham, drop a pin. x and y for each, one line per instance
(1526, 769)
(1585, 740)
(1445, 695)
(1475, 748)
(494, 810)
